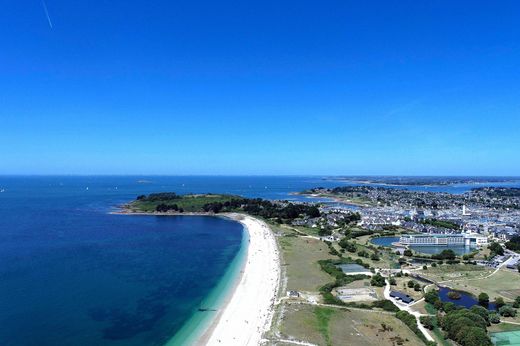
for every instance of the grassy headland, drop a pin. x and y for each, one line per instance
(172, 203)
(169, 201)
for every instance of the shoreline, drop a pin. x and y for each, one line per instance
(249, 311)
(246, 302)
(335, 199)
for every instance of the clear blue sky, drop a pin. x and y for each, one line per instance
(260, 87)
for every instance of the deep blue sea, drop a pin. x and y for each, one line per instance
(71, 273)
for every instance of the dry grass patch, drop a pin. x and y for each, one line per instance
(300, 257)
(456, 272)
(504, 283)
(345, 327)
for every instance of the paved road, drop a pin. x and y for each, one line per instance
(407, 308)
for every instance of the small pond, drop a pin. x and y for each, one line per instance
(466, 300)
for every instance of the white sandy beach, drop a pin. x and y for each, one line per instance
(249, 311)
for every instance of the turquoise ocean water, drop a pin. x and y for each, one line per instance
(71, 273)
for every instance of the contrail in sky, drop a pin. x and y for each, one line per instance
(47, 13)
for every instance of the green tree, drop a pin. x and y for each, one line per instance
(499, 302)
(507, 311)
(377, 280)
(431, 296)
(445, 255)
(516, 304)
(480, 310)
(496, 249)
(474, 336)
(483, 298)
(313, 212)
(448, 307)
(427, 322)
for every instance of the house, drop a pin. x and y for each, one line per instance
(405, 298)
(293, 294)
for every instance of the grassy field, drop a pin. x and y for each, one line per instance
(358, 284)
(300, 258)
(455, 272)
(190, 203)
(328, 326)
(306, 230)
(504, 283)
(403, 287)
(387, 259)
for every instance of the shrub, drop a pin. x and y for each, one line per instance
(454, 295)
(427, 322)
(494, 318)
(377, 280)
(507, 311)
(411, 322)
(431, 296)
(386, 305)
(499, 302)
(516, 304)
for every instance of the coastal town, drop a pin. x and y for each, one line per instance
(475, 237)
(493, 212)
(374, 266)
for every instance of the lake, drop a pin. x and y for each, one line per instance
(466, 300)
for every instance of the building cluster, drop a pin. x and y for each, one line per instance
(461, 239)
(489, 212)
